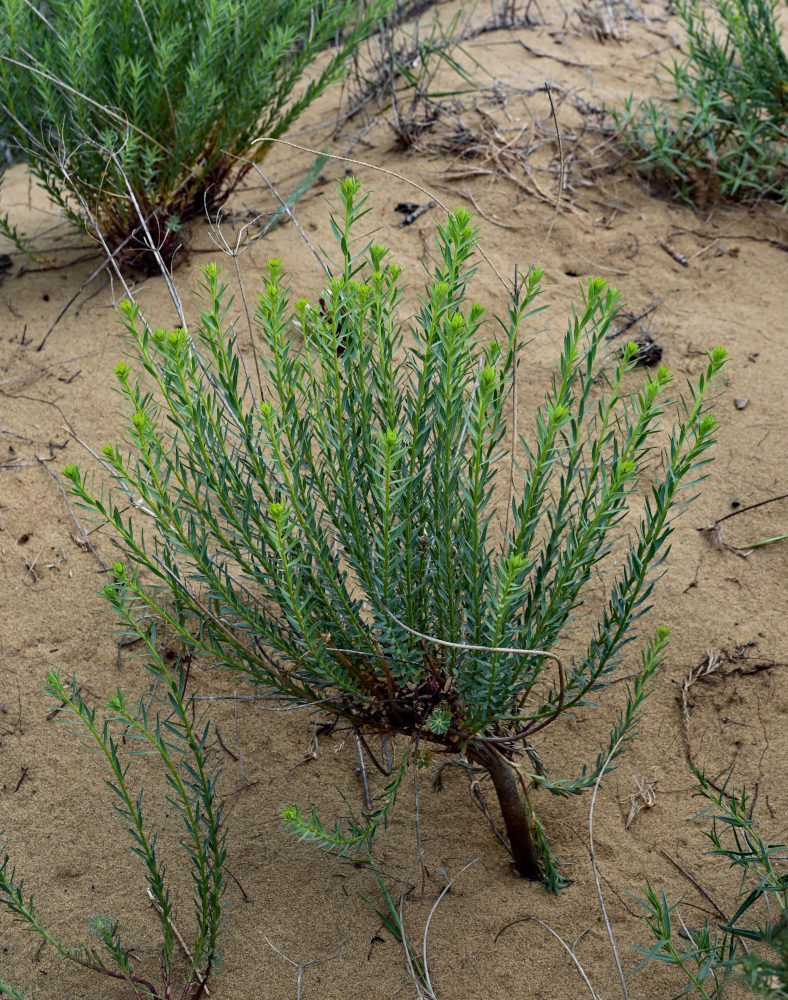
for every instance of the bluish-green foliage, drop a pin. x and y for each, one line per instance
(338, 530)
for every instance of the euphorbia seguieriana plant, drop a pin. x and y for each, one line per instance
(332, 531)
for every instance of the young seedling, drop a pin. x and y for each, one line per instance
(181, 748)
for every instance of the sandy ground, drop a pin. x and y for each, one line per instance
(55, 809)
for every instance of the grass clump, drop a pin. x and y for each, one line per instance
(154, 102)
(331, 531)
(180, 746)
(727, 134)
(710, 956)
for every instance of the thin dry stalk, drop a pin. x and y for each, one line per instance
(715, 530)
(448, 886)
(391, 173)
(242, 243)
(320, 960)
(81, 539)
(706, 668)
(361, 769)
(569, 949)
(488, 143)
(179, 938)
(610, 756)
(644, 796)
(478, 800)
(704, 892)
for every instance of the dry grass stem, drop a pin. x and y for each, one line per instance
(603, 908)
(478, 800)
(569, 949)
(179, 938)
(320, 960)
(704, 892)
(715, 530)
(438, 901)
(391, 173)
(81, 539)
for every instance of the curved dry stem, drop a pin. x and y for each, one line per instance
(609, 929)
(383, 170)
(285, 206)
(571, 953)
(448, 886)
(529, 730)
(473, 646)
(412, 972)
(300, 966)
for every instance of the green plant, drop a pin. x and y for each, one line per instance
(332, 531)
(391, 919)
(728, 133)
(158, 103)
(181, 749)
(708, 956)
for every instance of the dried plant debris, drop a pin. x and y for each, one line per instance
(418, 74)
(644, 795)
(411, 211)
(605, 20)
(517, 140)
(720, 665)
(671, 251)
(631, 318)
(706, 668)
(506, 16)
(714, 531)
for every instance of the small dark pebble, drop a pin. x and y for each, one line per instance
(736, 502)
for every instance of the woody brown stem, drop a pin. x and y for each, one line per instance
(513, 809)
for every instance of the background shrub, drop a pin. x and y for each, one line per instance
(158, 98)
(727, 135)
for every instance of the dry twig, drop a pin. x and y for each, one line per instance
(644, 796)
(715, 531)
(704, 669)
